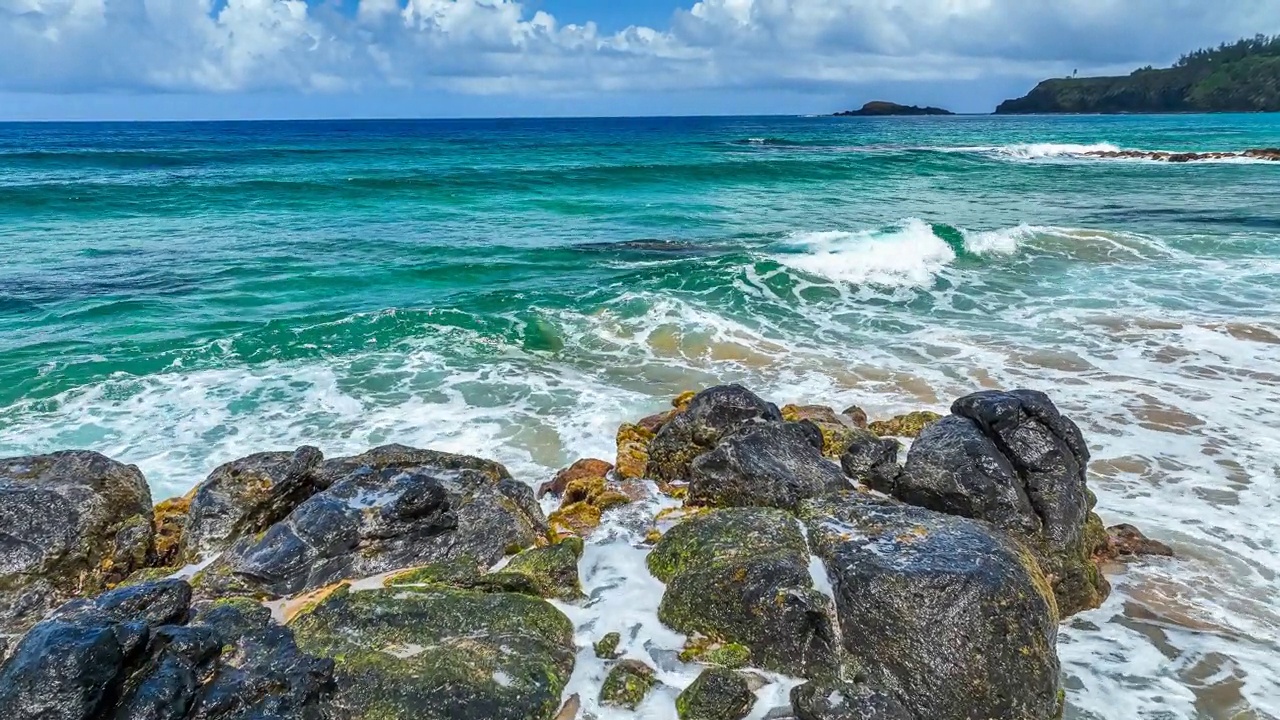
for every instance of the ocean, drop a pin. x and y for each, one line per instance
(179, 295)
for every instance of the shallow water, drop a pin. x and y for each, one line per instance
(180, 295)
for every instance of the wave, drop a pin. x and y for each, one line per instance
(910, 254)
(1105, 151)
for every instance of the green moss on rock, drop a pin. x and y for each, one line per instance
(627, 684)
(717, 694)
(441, 653)
(606, 648)
(553, 569)
(908, 426)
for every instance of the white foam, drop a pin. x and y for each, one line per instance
(910, 255)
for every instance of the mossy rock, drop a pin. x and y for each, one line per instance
(908, 426)
(741, 575)
(170, 520)
(440, 653)
(627, 684)
(577, 519)
(702, 649)
(710, 416)
(553, 569)
(606, 648)
(838, 431)
(717, 694)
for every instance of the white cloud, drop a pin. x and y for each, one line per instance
(498, 46)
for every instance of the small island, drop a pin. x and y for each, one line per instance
(1241, 77)
(880, 108)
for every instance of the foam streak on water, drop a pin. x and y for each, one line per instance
(179, 296)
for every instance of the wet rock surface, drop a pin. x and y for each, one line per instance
(71, 523)
(768, 465)
(436, 507)
(1012, 459)
(440, 653)
(130, 655)
(717, 694)
(946, 614)
(710, 415)
(247, 496)
(741, 575)
(845, 701)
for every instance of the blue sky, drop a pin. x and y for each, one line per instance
(152, 59)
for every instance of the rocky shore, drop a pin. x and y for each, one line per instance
(413, 584)
(1268, 154)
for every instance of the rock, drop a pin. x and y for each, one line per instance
(585, 469)
(438, 508)
(881, 108)
(845, 701)
(128, 655)
(741, 576)
(439, 653)
(767, 465)
(586, 498)
(908, 426)
(578, 519)
(627, 684)
(838, 431)
(170, 522)
(951, 617)
(262, 673)
(857, 415)
(73, 522)
(710, 415)
(717, 694)
(633, 449)
(553, 569)
(247, 496)
(1128, 541)
(403, 457)
(607, 647)
(1012, 459)
(702, 649)
(872, 461)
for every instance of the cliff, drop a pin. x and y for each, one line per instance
(1242, 77)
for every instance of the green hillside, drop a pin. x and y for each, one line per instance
(1240, 77)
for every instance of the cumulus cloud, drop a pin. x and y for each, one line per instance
(501, 47)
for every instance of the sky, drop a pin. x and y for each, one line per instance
(228, 59)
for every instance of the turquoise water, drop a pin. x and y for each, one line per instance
(177, 295)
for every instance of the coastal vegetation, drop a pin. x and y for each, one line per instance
(1243, 76)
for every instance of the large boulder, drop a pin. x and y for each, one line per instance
(70, 522)
(441, 653)
(128, 655)
(950, 616)
(741, 575)
(1012, 459)
(871, 460)
(765, 465)
(247, 496)
(434, 508)
(710, 415)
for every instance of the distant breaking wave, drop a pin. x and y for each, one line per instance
(1108, 151)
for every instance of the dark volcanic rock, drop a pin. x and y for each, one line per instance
(380, 519)
(767, 465)
(261, 672)
(1126, 541)
(872, 461)
(247, 496)
(1012, 459)
(741, 575)
(717, 694)
(838, 429)
(710, 416)
(439, 653)
(70, 522)
(126, 655)
(952, 618)
(845, 701)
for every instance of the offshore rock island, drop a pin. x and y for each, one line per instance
(408, 584)
(1240, 77)
(880, 108)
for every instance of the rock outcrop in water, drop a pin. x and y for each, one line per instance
(925, 591)
(881, 108)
